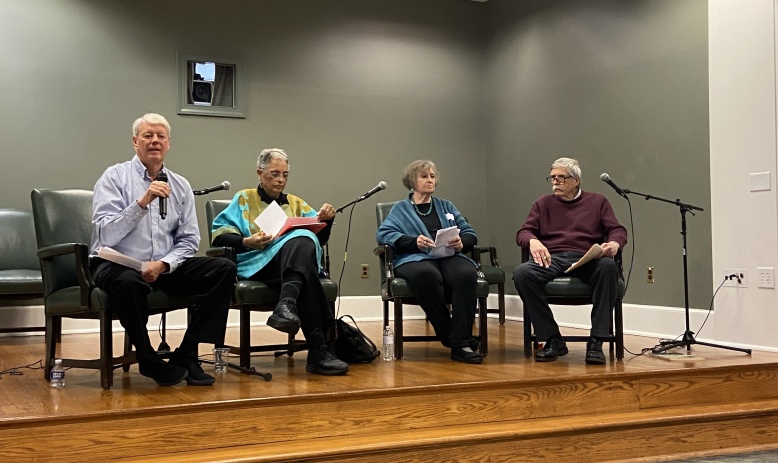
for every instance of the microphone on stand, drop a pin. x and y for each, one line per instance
(162, 177)
(225, 185)
(381, 186)
(607, 179)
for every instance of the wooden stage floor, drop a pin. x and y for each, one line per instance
(27, 398)
(424, 364)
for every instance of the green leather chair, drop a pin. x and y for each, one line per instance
(21, 282)
(566, 290)
(63, 226)
(399, 292)
(256, 296)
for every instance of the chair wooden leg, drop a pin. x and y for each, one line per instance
(483, 332)
(106, 351)
(245, 337)
(619, 320)
(51, 344)
(527, 335)
(398, 329)
(501, 302)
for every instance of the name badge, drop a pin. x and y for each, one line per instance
(450, 216)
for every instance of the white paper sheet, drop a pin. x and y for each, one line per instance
(115, 256)
(271, 219)
(443, 236)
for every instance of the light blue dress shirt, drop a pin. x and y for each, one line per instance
(120, 223)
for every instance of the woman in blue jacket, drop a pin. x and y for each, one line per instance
(435, 273)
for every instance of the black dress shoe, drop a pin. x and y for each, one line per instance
(196, 376)
(285, 317)
(594, 355)
(322, 361)
(555, 347)
(163, 373)
(461, 355)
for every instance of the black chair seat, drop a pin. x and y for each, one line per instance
(259, 293)
(493, 275)
(21, 281)
(573, 288)
(399, 287)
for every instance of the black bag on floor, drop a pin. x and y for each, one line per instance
(351, 344)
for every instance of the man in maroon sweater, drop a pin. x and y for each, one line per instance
(560, 228)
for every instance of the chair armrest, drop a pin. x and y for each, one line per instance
(57, 250)
(223, 251)
(80, 252)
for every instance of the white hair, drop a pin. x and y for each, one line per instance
(150, 118)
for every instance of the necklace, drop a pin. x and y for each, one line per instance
(423, 214)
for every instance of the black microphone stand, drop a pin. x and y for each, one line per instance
(359, 199)
(688, 336)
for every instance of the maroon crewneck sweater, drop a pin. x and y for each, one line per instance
(571, 225)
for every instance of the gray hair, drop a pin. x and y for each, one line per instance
(570, 164)
(152, 119)
(266, 156)
(413, 170)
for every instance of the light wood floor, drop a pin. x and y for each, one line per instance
(425, 364)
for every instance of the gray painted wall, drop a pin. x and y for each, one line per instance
(622, 86)
(354, 90)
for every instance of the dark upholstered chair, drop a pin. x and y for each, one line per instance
(399, 292)
(494, 275)
(566, 290)
(255, 296)
(63, 226)
(20, 272)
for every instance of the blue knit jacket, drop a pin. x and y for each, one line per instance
(403, 220)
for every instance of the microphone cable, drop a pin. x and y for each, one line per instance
(345, 257)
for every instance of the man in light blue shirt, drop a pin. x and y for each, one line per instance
(130, 217)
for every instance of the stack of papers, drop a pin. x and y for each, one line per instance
(442, 238)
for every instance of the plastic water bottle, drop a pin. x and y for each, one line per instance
(388, 348)
(57, 375)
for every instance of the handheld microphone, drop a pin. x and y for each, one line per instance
(162, 177)
(381, 186)
(607, 179)
(225, 185)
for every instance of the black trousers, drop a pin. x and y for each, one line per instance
(299, 255)
(211, 279)
(436, 281)
(602, 274)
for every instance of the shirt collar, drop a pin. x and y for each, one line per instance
(141, 169)
(267, 199)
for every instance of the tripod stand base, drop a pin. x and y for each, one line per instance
(688, 340)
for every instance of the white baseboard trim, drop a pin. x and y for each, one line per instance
(639, 320)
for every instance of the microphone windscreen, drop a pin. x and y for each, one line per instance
(605, 177)
(382, 185)
(226, 184)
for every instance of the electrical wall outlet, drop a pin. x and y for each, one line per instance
(365, 273)
(736, 277)
(766, 277)
(650, 275)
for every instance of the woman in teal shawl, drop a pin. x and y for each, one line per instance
(410, 228)
(289, 263)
